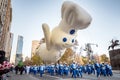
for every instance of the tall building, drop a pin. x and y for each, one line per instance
(5, 23)
(12, 58)
(9, 45)
(35, 44)
(19, 49)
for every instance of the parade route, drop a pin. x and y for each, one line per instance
(48, 77)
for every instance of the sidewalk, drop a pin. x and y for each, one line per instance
(21, 77)
(13, 76)
(116, 71)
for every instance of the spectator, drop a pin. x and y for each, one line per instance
(4, 64)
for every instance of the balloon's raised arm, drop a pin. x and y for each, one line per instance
(46, 31)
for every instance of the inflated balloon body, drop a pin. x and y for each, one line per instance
(64, 35)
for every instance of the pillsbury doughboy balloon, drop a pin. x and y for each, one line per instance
(63, 36)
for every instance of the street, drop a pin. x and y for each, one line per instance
(48, 77)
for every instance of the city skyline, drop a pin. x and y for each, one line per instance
(28, 16)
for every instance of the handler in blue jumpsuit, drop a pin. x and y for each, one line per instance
(61, 69)
(57, 68)
(107, 69)
(110, 70)
(66, 69)
(97, 67)
(89, 69)
(84, 69)
(35, 69)
(103, 69)
(74, 67)
(52, 69)
(93, 68)
(79, 72)
(41, 68)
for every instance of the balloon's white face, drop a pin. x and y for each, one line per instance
(61, 39)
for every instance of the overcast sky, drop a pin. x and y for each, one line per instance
(28, 16)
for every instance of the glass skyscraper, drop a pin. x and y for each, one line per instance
(19, 49)
(19, 45)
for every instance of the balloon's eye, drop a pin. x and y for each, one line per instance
(72, 31)
(64, 39)
(73, 40)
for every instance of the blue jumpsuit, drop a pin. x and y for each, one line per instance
(74, 71)
(97, 67)
(35, 70)
(103, 70)
(52, 67)
(61, 69)
(89, 69)
(110, 70)
(66, 69)
(57, 69)
(41, 68)
(80, 70)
